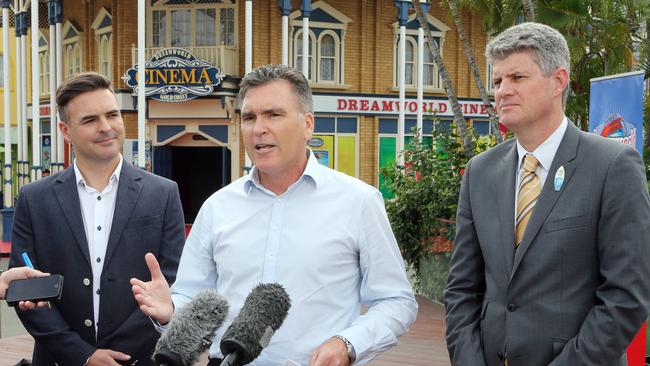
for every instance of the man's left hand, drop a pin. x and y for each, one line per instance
(332, 352)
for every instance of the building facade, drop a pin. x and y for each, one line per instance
(352, 67)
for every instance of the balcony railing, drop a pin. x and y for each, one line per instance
(225, 58)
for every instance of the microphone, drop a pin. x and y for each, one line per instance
(264, 310)
(191, 330)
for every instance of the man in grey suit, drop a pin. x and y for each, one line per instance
(93, 223)
(551, 260)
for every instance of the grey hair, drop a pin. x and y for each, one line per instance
(548, 47)
(269, 73)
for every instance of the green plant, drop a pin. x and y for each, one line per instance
(426, 192)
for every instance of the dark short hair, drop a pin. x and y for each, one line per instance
(76, 85)
(269, 73)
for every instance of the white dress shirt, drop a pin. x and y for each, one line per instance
(545, 153)
(327, 240)
(97, 210)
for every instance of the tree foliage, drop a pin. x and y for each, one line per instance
(427, 189)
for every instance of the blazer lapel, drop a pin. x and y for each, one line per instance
(128, 192)
(68, 197)
(564, 156)
(504, 182)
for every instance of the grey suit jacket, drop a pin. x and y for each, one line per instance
(48, 225)
(577, 289)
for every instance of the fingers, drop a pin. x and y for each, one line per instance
(118, 355)
(154, 267)
(26, 305)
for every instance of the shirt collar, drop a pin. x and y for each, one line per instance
(115, 177)
(311, 171)
(546, 151)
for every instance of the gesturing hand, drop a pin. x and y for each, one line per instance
(154, 297)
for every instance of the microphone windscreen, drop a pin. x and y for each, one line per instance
(263, 312)
(191, 329)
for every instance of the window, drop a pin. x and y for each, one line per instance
(335, 143)
(326, 44)
(159, 31)
(327, 58)
(430, 75)
(181, 24)
(227, 34)
(103, 27)
(205, 27)
(71, 50)
(299, 54)
(105, 55)
(44, 65)
(488, 80)
(197, 24)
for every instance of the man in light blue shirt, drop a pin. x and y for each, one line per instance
(321, 234)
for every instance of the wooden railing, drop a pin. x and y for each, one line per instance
(225, 58)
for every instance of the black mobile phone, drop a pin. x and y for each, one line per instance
(35, 289)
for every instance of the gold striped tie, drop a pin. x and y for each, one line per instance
(529, 190)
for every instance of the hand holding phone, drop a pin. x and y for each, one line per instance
(35, 289)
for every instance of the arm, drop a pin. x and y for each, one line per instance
(137, 333)
(465, 286)
(623, 298)
(47, 326)
(384, 286)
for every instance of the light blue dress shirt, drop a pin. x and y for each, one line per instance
(327, 240)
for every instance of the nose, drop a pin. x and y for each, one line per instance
(103, 124)
(260, 127)
(504, 89)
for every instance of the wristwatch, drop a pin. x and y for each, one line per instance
(352, 355)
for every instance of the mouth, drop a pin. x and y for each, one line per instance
(105, 140)
(261, 148)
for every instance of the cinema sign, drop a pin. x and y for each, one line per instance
(175, 75)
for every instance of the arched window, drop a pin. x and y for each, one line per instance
(327, 58)
(409, 62)
(44, 61)
(430, 70)
(298, 54)
(105, 55)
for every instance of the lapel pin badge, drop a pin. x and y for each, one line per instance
(559, 179)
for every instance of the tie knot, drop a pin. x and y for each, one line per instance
(530, 163)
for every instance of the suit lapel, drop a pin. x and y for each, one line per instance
(128, 191)
(504, 181)
(68, 197)
(564, 156)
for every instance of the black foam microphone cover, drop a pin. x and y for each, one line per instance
(263, 312)
(191, 329)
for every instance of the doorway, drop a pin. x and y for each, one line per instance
(198, 171)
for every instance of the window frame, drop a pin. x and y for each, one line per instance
(336, 57)
(161, 6)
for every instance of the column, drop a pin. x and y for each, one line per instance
(402, 17)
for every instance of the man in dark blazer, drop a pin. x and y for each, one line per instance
(551, 260)
(93, 223)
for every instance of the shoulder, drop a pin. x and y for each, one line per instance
(493, 155)
(46, 183)
(345, 185)
(148, 179)
(597, 148)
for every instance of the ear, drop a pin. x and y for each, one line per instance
(65, 131)
(561, 78)
(309, 125)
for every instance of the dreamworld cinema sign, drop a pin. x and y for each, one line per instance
(175, 75)
(359, 104)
